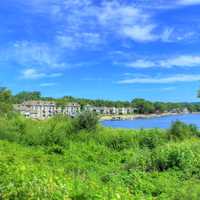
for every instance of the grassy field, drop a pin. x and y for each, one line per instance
(56, 159)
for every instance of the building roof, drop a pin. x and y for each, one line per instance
(72, 105)
(39, 103)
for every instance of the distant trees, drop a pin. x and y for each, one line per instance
(160, 107)
(26, 96)
(5, 95)
(143, 106)
(5, 100)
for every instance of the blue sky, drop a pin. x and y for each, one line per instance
(102, 49)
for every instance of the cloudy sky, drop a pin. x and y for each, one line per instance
(118, 49)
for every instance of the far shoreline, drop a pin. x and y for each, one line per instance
(140, 116)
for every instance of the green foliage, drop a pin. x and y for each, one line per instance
(5, 101)
(56, 149)
(175, 156)
(26, 96)
(86, 121)
(180, 130)
(143, 106)
(151, 139)
(56, 159)
(51, 132)
(189, 191)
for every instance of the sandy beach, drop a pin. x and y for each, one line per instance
(136, 116)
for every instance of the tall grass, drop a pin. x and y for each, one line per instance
(57, 159)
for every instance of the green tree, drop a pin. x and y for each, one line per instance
(26, 96)
(86, 120)
(5, 100)
(143, 106)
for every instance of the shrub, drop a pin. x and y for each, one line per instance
(86, 120)
(30, 132)
(12, 129)
(119, 142)
(151, 138)
(181, 156)
(56, 150)
(180, 130)
(140, 160)
(189, 191)
(56, 132)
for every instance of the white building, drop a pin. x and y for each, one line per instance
(45, 109)
(109, 110)
(72, 109)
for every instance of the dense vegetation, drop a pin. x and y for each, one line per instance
(141, 105)
(56, 159)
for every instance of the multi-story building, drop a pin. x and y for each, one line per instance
(45, 109)
(89, 108)
(72, 109)
(37, 109)
(109, 110)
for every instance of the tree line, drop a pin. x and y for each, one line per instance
(142, 106)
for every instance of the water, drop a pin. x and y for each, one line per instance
(157, 122)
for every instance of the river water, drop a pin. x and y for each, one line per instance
(157, 122)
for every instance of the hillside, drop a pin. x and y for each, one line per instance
(55, 159)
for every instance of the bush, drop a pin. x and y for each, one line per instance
(189, 191)
(120, 142)
(141, 160)
(152, 138)
(30, 132)
(56, 150)
(182, 156)
(12, 128)
(54, 131)
(180, 130)
(86, 121)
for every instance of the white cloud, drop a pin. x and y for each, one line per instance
(141, 64)
(114, 13)
(188, 2)
(140, 33)
(81, 19)
(106, 18)
(179, 61)
(162, 80)
(54, 75)
(167, 34)
(48, 84)
(79, 40)
(168, 88)
(127, 21)
(33, 54)
(116, 18)
(132, 20)
(32, 74)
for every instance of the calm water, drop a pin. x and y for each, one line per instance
(159, 122)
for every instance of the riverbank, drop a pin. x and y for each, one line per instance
(138, 116)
